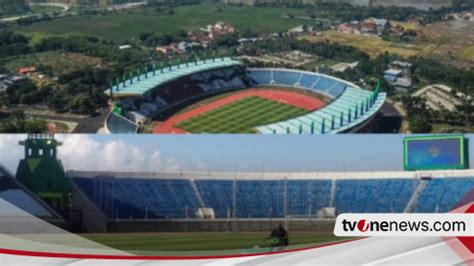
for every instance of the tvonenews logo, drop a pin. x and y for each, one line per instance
(405, 224)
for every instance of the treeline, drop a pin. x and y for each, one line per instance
(152, 39)
(343, 12)
(434, 72)
(80, 91)
(19, 123)
(13, 44)
(321, 49)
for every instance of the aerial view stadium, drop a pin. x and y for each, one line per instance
(212, 212)
(221, 95)
(200, 67)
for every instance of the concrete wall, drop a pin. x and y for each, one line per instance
(87, 217)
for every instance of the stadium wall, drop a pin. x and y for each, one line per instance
(85, 216)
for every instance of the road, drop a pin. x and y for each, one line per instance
(65, 8)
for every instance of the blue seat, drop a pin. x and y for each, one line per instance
(286, 78)
(442, 195)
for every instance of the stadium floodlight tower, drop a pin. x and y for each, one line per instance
(42, 173)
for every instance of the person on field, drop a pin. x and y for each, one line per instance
(280, 235)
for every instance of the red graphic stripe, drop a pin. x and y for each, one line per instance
(132, 257)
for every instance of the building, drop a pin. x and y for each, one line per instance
(401, 65)
(343, 67)
(392, 75)
(399, 79)
(218, 29)
(26, 70)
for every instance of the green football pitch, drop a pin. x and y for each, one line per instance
(241, 116)
(205, 242)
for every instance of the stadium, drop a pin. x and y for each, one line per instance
(436, 179)
(222, 95)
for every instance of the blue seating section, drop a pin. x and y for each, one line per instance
(307, 197)
(138, 198)
(286, 78)
(373, 196)
(257, 199)
(123, 198)
(324, 84)
(217, 194)
(308, 80)
(261, 77)
(290, 78)
(442, 195)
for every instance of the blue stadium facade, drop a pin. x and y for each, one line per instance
(176, 196)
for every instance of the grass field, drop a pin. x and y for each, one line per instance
(452, 42)
(45, 9)
(233, 242)
(371, 45)
(241, 116)
(121, 26)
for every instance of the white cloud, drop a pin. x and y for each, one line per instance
(83, 152)
(10, 151)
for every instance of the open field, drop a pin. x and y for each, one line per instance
(315, 64)
(59, 63)
(241, 116)
(371, 45)
(202, 241)
(452, 42)
(45, 9)
(121, 26)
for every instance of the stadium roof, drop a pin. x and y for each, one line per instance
(140, 84)
(274, 175)
(334, 118)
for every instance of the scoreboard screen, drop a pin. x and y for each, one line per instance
(435, 152)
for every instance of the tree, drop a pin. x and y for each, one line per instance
(420, 124)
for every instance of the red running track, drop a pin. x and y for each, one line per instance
(287, 97)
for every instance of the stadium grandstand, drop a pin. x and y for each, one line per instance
(436, 179)
(125, 199)
(141, 97)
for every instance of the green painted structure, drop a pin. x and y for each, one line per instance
(42, 173)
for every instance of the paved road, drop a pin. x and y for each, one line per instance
(84, 124)
(13, 19)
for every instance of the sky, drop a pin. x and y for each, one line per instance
(226, 153)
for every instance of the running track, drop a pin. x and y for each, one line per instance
(287, 97)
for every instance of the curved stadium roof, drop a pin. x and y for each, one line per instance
(137, 84)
